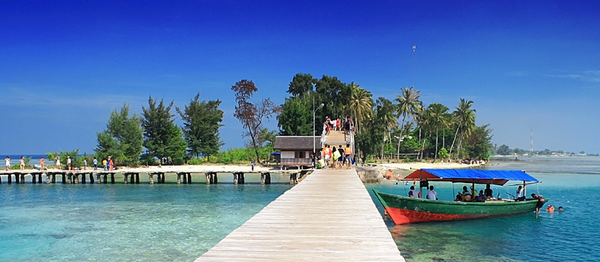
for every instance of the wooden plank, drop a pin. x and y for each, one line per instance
(329, 216)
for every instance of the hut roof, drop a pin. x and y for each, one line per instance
(289, 143)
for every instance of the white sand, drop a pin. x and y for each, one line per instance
(419, 165)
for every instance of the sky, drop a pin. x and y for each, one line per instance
(530, 67)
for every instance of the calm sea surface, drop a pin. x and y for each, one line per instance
(180, 222)
(571, 182)
(167, 222)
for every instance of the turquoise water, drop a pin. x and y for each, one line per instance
(169, 222)
(567, 236)
(119, 222)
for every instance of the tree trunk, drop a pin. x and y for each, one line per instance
(400, 139)
(455, 134)
(436, 144)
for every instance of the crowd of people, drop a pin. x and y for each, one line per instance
(332, 157)
(338, 124)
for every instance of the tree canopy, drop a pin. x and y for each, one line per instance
(201, 123)
(162, 138)
(122, 139)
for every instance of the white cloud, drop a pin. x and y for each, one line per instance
(588, 76)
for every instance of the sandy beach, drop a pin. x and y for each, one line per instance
(419, 165)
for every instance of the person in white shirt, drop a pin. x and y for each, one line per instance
(431, 194)
(414, 193)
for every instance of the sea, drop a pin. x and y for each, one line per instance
(170, 222)
(571, 235)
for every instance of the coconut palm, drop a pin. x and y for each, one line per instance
(408, 105)
(439, 118)
(385, 116)
(360, 104)
(465, 117)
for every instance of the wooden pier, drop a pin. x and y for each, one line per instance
(132, 176)
(329, 216)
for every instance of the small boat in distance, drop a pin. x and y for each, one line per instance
(404, 210)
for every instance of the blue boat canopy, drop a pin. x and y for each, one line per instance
(479, 176)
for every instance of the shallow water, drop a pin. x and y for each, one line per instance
(567, 236)
(143, 222)
(169, 222)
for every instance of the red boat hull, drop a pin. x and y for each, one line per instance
(403, 216)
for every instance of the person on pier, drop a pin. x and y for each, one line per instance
(7, 163)
(348, 153)
(57, 162)
(42, 163)
(22, 163)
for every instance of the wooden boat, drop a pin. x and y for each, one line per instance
(404, 210)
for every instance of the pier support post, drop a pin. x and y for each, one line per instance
(125, 176)
(293, 178)
(265, 178)
(64, 177)
(9, 179)
(151, 178)
(178, 178)
(189, 178)
(137, 178)
(17, 178)
(91, 177)
(184, 178)
(112, 178)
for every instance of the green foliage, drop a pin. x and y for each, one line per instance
(201, 126)
(122, 139)
(162, 138)
(195, 161)
(296, 118)
(478, 143)
(504, 150)
(301, 85)
(443, 153)
(335, 95)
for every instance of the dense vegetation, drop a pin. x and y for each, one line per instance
(386, 129)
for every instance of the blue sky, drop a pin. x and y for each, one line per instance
(65, 65)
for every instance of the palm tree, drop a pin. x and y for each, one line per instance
(385, 116)
(408, 105)
(465, 117)
(424, 122)
(360, 104)
(439, 118)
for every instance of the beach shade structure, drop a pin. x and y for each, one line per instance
(496, 177)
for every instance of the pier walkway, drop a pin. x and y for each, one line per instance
(329, 216)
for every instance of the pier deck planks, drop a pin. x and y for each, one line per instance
(327, 217)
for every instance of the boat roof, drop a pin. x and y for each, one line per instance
(479, 176)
